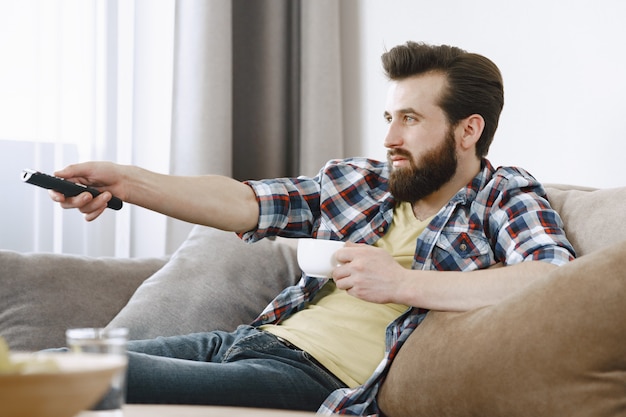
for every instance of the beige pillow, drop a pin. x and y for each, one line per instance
(594, 219)
(43, 294)
(556, 349)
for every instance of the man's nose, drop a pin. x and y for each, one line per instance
(393, 139)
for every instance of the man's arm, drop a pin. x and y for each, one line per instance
(462, 291)
(210, 200)
(372, 274)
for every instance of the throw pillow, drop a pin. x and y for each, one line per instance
(43, 294)
(213, 281)
(586, 213)
(558, 348)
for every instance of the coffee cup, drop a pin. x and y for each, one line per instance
(316, 257)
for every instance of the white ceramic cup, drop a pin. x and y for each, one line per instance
(316, 257)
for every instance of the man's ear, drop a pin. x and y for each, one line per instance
(470, 130)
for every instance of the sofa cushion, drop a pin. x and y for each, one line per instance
(213, 281)
(594, 218)
(43, 294)
(558, 348)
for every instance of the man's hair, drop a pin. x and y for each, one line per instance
(474, 82)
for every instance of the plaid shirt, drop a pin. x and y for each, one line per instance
(501, 216)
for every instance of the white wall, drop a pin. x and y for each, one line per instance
(564, 68)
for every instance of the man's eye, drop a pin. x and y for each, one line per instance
(409, 119)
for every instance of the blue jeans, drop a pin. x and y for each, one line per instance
(247, 367)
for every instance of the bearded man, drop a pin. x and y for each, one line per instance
(436, 226)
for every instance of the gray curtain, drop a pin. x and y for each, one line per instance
(257, 89)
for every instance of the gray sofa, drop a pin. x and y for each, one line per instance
(558, 349)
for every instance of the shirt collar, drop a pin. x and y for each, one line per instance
(480, 181)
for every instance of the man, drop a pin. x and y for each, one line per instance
(435, 227)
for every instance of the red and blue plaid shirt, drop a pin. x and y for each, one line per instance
(502, 216)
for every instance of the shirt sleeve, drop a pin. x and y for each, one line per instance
(344, 201)
(526, 227)
(287, 207)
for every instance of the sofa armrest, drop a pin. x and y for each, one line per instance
(43, 294)
(555, 348)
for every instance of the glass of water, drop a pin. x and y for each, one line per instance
(107, 342)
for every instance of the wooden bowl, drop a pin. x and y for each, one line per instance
(80, 381)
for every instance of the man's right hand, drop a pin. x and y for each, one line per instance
(104, 176)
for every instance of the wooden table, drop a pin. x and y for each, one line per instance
(135, 410)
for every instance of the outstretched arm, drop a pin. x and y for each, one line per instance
(210, 200)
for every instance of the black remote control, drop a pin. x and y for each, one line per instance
(67, 188)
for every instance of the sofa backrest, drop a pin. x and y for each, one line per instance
(594, 218)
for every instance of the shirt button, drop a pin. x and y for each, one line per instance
(264, 317)
(463, 247)
(381, 229)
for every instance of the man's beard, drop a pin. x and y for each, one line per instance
(415, 182)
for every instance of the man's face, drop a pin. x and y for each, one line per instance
(421, 144)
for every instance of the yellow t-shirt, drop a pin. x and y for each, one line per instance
(347, 334)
